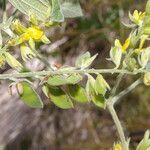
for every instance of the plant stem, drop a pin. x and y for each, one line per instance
(114, 90)
(118, 126)
(126, 91)
(110, 106)
(37, 74)
(4, 11)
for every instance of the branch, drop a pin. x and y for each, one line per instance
(126, 91)
(118, 126)
(50, 72)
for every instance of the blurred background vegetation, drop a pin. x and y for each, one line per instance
(86, 127)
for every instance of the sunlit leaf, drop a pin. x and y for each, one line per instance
(40, 8)
(58, 97)
(90, 87)
(116, 55)
(148, 7)
(78, 93)
(85, 60)
(57, 14)
(57, 80)
(71, 8)
(29, 96)
(143, 57)
(145, 143)
(98, 100)
(101, 85)
(147, 78)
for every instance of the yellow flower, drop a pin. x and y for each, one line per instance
(137, 17)
(33, 32)
(117, 147)
(124, 46)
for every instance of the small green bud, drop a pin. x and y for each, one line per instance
(147, 79)
(26, 53)
(33, 20)
(18, 27)
(32, 44)
(12, 61)
(45, 40)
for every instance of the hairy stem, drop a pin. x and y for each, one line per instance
(114, 90)
(118, 126)
(38, 74)
(4, 10)
(126, 91)
(110, 106)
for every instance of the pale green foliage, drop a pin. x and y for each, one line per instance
(28, 95)
(41, 9)
(53, 10)
(116, 55)
(63, 85)
(58, 80)
(85, 60)
(145, 143)
(58, 97)
(78, 93)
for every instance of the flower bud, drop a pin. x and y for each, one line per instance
(26, 52)
(147, 79)
(18, 27)
(45, 40)
(12, 61)
(32, 44)
(33, 20)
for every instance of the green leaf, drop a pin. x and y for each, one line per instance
(90, 87)
(58, 97)
(98, 100)
(71, 8)
(143, 57)
(40, 8)
(78, 93)
(1, 40)
(57, 15)
(148, 7)
(101, 85)
(85, 60)
(130, 64)
(116, 55)
(147, 78)
(57, 80)
(29, 96)
(145, 143)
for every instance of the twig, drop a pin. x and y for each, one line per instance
(50, 72)
(114, 90)
(118, 126)
(4, 11)
(127, 90)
